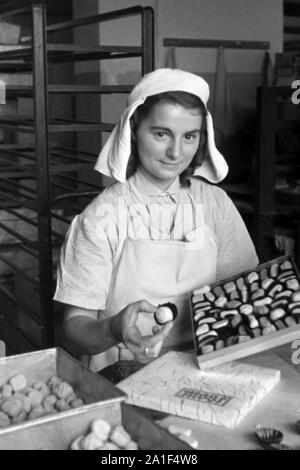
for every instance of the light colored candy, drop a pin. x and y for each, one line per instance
(208, 348)
(20, 418)
(41, 387)
(4, 420)
(277, 288)
(221, 302)
(35, 398)
(77, 402)
(246, 309)
(293, 284)
(236, 321)
(253, 323)
(233, 304)
(268, 329)
(206, 338)
(91, 442)
(202, 329)
(25, 401)
(203, 308)
(63, 390)
(102, 428)
(258, 294)
(53, 382)
(296, 296)
(229, 287)
(277, 313)
(244, 295)
(220, 324)
(199, 314)
(210, 296)
(279, 303)
(208, 320)
(263, 301)
(36, 413)
(201, 290)
(198, 298)
(6, 391)
(290, 321)
(251, 277)
(12, 406)
(240, 283)
(190, 441)
(119, 436)
(109, 446)
(18, 382)
(131, 446)
(296, 311)
(163, 315)
(284, 294)
(76, 445)
(220, 344)
(202, 304)
(177, 430)
(286, 265)
(285, 275)
(267, 283)
(62, 405)
(274, 270)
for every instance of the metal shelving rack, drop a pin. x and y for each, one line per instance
(43, 177)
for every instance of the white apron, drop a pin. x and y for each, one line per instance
(160, 271)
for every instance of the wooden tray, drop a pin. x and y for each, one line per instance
(253, 346)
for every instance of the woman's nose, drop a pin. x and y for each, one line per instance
(174, 149)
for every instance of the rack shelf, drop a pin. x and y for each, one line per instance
(45, 177)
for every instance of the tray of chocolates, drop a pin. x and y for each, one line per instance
(245, 314)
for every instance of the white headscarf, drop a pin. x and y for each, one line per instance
(114, 156)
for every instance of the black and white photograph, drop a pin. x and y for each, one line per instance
(149, 228)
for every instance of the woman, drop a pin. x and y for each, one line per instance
(159, 232)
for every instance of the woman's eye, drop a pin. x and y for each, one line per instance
(190, 137)
(160, 135)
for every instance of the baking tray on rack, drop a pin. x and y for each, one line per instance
(102, 400)
(231, 352)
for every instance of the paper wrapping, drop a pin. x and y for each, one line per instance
(222, 396)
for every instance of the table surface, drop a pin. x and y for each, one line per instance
(280, 409)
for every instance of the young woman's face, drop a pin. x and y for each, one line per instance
(167, 140)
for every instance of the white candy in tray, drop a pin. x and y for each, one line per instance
(252, 305)
(102, 436)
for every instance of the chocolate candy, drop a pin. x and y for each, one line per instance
(233, 304)
(221, 302)
(165, 313)
(207, 349)
(290, 321)
(292, 284)
(208, 320)
(277, 313)
(210, 296)
(240, 283)
(246, 309)
(199, 314)
(218, 291)
(219, 344)
(251, 277)
(258, 294)
(202, 306)
(234, 295)
(274, 270)
(202, 329)
(253, 323)
(231, 340)
(207, 338)
(286, 265)
(280, 325)
(220, 324)
(236, 321)
(268, 329)
(263, 301)
(261, 310)
(226, 313)
(263, 274)
(229, 287)
(296, 296)
(256, 332)
(254, 287)
(201, 290)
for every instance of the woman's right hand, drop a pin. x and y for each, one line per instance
(145, 348)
